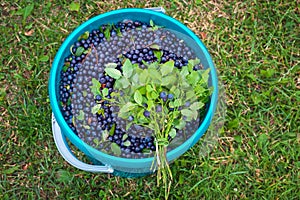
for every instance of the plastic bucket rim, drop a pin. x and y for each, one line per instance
(67, 130)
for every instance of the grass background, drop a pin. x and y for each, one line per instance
(255, 46)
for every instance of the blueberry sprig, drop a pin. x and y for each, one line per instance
(156, 97)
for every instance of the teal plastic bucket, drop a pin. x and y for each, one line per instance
(113, 163)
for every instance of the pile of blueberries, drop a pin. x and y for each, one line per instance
(127, 39)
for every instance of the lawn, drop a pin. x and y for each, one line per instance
(255, 47)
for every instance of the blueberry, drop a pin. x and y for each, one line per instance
(118, 142)
(102, 80)
(170, 96)
(196, 67)
(187, 104)
(163, 59)
(98, 98)
(153, 148)
(137, 150)
(163, 95)
(158, 108)
(142, 146)
(85, 46)
(108, 85)
(134, 57)
(146, 113)
(130, 118)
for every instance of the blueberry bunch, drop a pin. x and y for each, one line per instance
(104, 46)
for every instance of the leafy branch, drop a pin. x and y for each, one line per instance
(145, 102)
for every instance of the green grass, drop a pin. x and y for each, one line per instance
(255, 46)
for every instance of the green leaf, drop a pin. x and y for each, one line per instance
(199, 89)
(81, 115)
(84, 93)
(128, 126)
(187, 113)
(111, 65)
(138, 98)
(27, 11)
(95, 88)
(256, 98)
(252, 77)
(167, 67)
(155, 46)
(267, 73)
(181, 125)
(85, 35)
(177, 93)
(154, 95)
(262, 140)
(65, 68)
(151, 23)
(194, 62)
(146, 151)
(127, 143)
(150, 104)
(193, 78)
(114, 73)
(119, 33)
(86, 127)
(105, 135)
(184, 71)
(44, 58)
(149, 88)
(79, 51)
(122, 83)
(64, 176)
(96, 141)
(155, 75)
(105, 92)
(10, 170)
(171, 104)
(112, 130)
(172, 133)
(177, 103)
(107, 33)
(143, 90)
(127, 68)
(125, 136)
(143, 77)
(96, 108)
(74, 6)
(135, 78)
(196, 105)
(115, 149)
(168, 80)
(127, 107)
(205, 74)
(234, 123)
(190, 95)
(158, 55)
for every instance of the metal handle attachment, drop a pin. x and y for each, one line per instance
(64, 150)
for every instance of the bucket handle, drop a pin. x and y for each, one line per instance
(64, 150)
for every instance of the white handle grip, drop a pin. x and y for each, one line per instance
(64, 150)
(157, 9)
